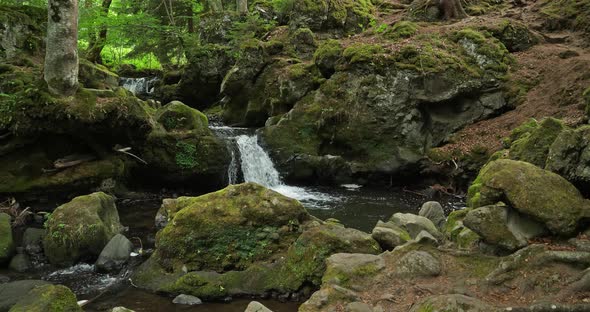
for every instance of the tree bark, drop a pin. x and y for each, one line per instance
(97, 45)
(452, 9)
(61, 58)
(242, 6)
(215, 6)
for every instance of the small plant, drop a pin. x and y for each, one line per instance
(186, 155)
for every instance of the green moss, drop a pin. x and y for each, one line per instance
(186, 157)
(48, 298)
(485, 50)
(573, 14)
(329, 49)
(533, 142)
(6, 238)
(362, 53)
(401, 29)
(586, 96)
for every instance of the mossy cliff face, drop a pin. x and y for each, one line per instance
(22, 31)
(569, 156)
(81, 228)
(381, 110)
(539, 194)
(256, 240)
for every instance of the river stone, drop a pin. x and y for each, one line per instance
(256, 306)
(48, 298)
(350, 267)
(415, 224)
(11, 293)
(186, 300)
(33, 241)
(115, 254)
(389, 235)
(418, 264)
(358, 307)
(454, 302)
(499, 225)
(434, 212)
(20, 263)
(81, 228)
(6, 239)
(121, 309)
(426, 238)
(540, 194)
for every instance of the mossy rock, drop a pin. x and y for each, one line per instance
(401, 30)
(96, 76)
(539, 194)
(514, 35)
(566, 14)
(534, 146)
(23, 30)
(569, 156)
(48, 298)
(6, 239)
(327, 56)
(347, 16)
(81, 228)
(182, 156)
(230, 229)
(178, 116)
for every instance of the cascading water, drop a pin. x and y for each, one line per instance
(139, 86)
(255, 165)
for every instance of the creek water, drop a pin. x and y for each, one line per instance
(355, 206)
(139, 86)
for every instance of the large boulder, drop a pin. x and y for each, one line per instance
(81, 228)
(536, 193)
(382, 111)
(11, 293)
(569, 156)
(6, 239)
(501, 226)
(389, 235)
(48, 298)
(22, 31)
(115, 254)
(415, 224)
(434, 212)
(533, 145)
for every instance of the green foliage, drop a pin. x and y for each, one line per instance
(186, 155)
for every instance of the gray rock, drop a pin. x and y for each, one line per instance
(4, 279)
(187, 300)
(418, 264)
(389, 235)
(256, 306)
(358, 307)
(415, 224)
(352, 267)
(453, 303)
(20, 263)
(434, 212)
(115, 254)
(569, 156)
(121, 309)
(425, 238)
(11, 293)
(501, 226)
(33, 241)
(6, 239)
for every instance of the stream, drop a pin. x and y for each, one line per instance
(355, 206)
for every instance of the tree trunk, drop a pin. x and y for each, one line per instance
(215, 6)
(61, 58)
(242, 6)
(97, 45)
(452, 9)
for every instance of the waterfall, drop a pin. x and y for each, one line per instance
(139, 86)
(251, 163)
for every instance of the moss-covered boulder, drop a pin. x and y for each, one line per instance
(499, 225)
(532, 141)
(327, 55)
(230, 229)
(6, 239)
(178, 116)
(81, 228)
(381, 110)
(456, 232)
(453, 303)
(569, 156)
(48, 298)
(96, 76)
(539, 194)
(345, 17)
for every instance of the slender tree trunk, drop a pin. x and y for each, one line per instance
(242, 6)
(97, 45)
(452, 9)
(215, 6)
(61, 58)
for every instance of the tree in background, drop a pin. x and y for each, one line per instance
(452, 9)
(98, 39)
(61, 58)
